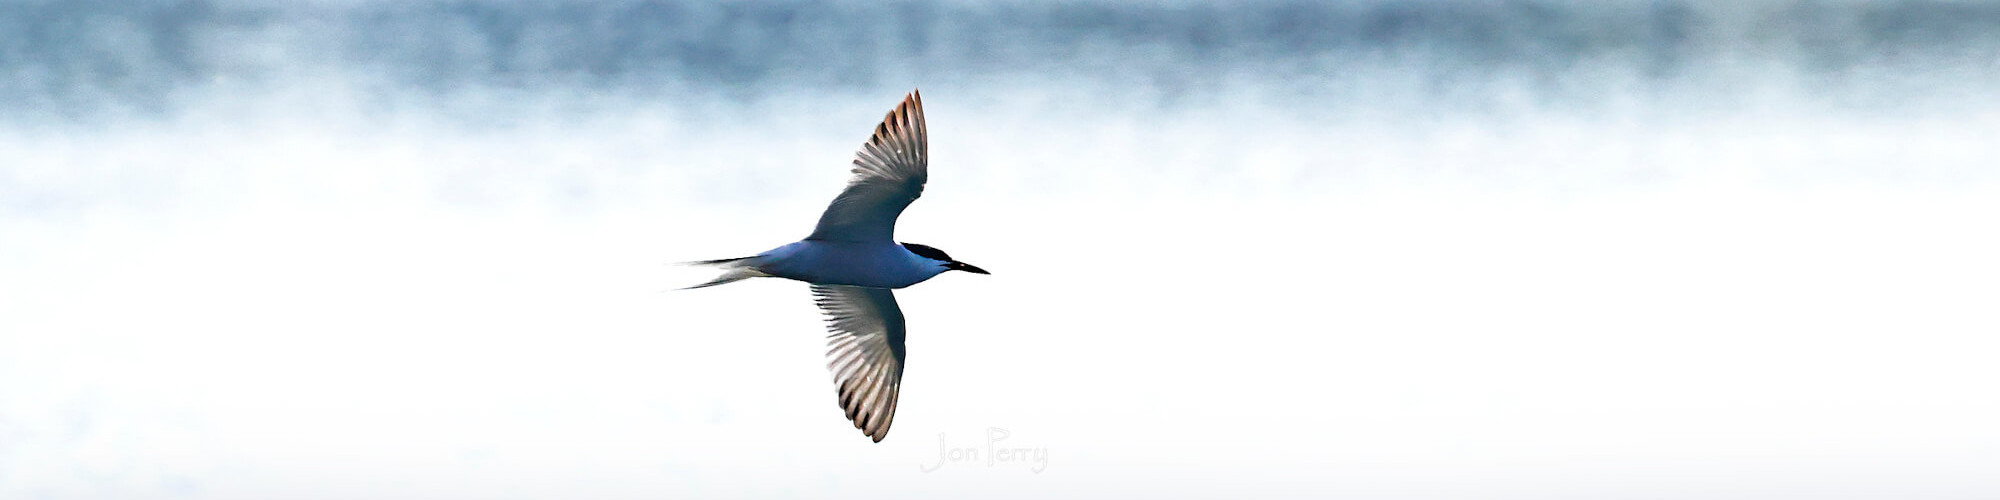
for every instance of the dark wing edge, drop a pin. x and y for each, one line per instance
(864, 352)
(889, 173)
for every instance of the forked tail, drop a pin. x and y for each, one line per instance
(732, 270)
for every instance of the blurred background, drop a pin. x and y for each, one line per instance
(1467, 249)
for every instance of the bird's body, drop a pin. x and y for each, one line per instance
(874, 264)
(853, 261)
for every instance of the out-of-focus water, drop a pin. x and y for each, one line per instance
(1461, 249)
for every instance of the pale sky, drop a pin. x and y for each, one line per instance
(1555, 250)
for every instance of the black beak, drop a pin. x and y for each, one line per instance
(961, 266)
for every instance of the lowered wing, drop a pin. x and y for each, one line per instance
(864, 352)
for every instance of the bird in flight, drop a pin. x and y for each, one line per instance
(852, 261)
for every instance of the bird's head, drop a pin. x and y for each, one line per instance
(942, 259)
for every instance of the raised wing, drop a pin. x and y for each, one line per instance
(889, 173)
(865, 352)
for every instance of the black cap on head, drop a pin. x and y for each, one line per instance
(927, 252)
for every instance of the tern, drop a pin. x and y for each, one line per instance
(852, 261)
